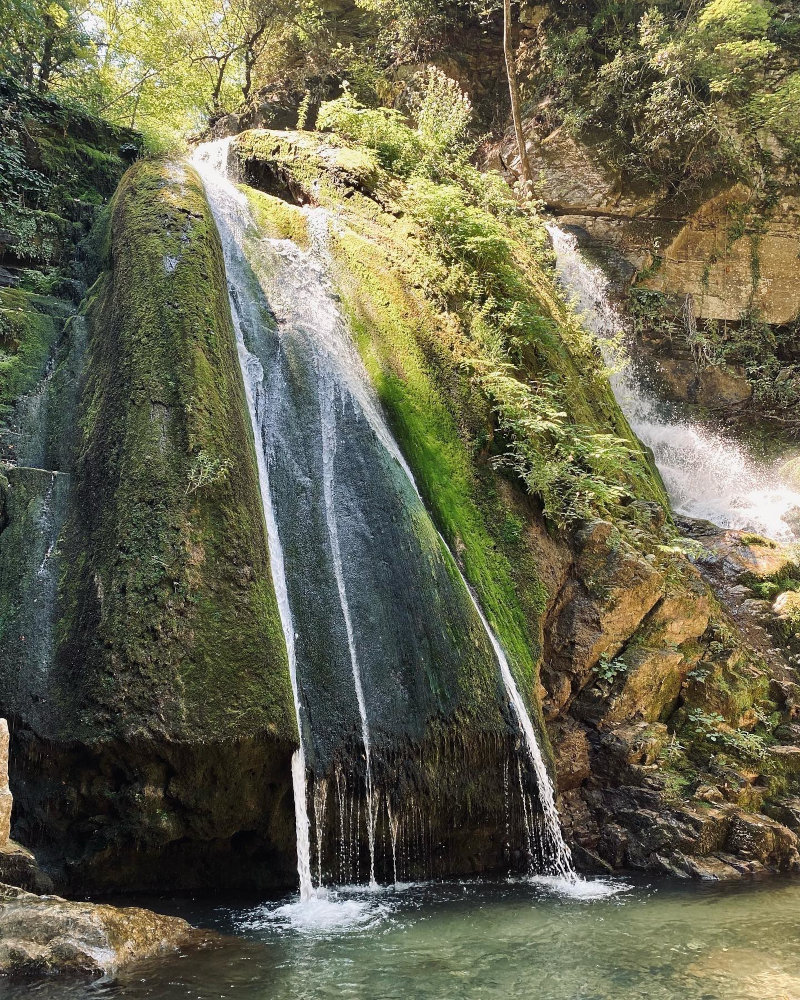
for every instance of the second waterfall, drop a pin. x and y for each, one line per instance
(410, 717)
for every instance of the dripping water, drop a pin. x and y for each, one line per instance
(328, 421)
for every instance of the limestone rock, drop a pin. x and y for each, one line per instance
(571, 749)
(703, 262)
(684, 612)
(764, 840)
(714, 387)
(596, 614)
(6, 799)
(47, 934)
(18, 867)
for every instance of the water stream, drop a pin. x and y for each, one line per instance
(335, 385)
(707, 474)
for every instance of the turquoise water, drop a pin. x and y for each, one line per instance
(493, 941)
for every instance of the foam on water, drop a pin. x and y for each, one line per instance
(707, 474)
(327, 912)
(579, 889)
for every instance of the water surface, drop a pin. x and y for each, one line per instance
(493, 941)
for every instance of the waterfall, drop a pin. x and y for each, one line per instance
(230, 208)
(328, 429)
(308, 325)
(707, 474)
(560, 859)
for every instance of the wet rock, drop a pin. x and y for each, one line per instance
(758, 838)
(47, 934)
(715, 387)
(571, 749)
(710, 868)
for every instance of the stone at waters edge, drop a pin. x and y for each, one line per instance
(6, 798)
(41, 935)
(47, 934)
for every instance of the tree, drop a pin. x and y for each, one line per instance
(513, 89)
(41, 41)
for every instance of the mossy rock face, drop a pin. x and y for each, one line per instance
(60, 165)
(165, 692)
(170, 623)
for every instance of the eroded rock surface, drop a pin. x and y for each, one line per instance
(667, 759)
(40, 935)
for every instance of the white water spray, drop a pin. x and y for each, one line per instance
(707, 475)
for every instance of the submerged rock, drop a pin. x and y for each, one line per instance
(47, 934)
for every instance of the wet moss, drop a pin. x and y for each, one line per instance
(29, 327)
(170, 622)
(276, 218)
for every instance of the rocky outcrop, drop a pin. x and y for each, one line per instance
(728, 252)
(677, 770)
(45, 935)
(709, 279)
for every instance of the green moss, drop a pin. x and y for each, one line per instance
(29, 328)
(170, 620)
(276, 218)
(388, 326)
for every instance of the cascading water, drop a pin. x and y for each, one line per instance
(307, 366)
(328, 429)
(707, 475)
(229, 207)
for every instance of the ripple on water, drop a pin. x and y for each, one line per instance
(579, 889)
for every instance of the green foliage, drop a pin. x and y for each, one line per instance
(43, 42)
(382, 129)
(726, 19)
(608, 669)
(576, 468)
(436, 146)
(673, 94)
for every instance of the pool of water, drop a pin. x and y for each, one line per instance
(493, 941)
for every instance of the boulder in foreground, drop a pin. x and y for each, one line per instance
(41, 935)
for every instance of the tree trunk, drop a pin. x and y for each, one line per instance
(251, 54)
(45, 65)
(513, 88)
